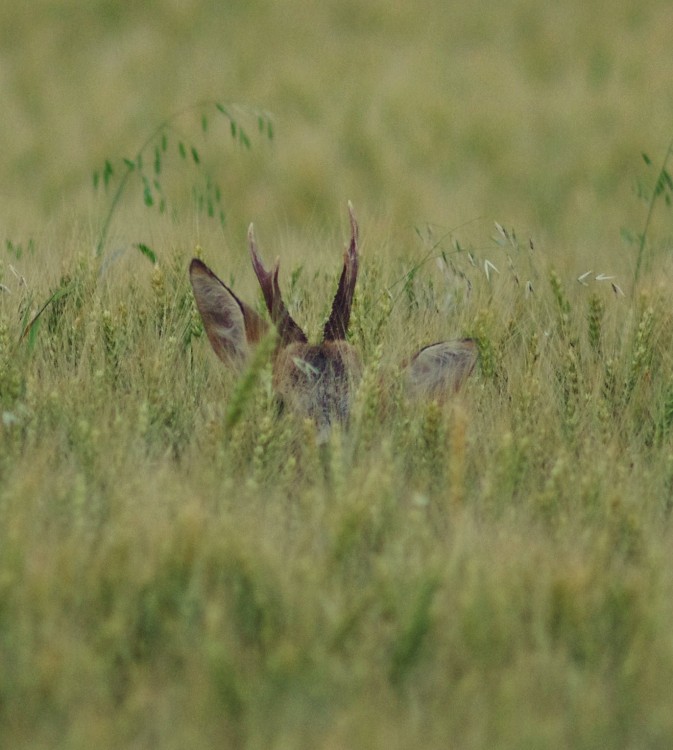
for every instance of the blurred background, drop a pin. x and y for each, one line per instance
(534, 114)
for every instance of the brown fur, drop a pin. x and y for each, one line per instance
(315, 380)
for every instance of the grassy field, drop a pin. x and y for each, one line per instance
(495, 572)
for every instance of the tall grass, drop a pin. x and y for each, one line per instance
(489, 573)
(182, 564)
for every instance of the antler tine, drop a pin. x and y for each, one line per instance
(336, 327)
(355, 231)
(264, 277)
(288, 330)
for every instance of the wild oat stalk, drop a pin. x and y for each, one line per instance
(148, 163)
(663, 188)
(157, 143)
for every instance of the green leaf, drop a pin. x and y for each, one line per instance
(667, 179)
(646, 159)
(148, 198)
(409, 642)
(195, 156)
(182, 150)
(147, 251)
(107, 172)
(30, 329)
(204, 123)
(32, 334)
(130, 165)
(659, 187)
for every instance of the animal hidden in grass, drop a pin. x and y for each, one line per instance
(317, 381)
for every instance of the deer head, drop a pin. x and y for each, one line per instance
(315, 380)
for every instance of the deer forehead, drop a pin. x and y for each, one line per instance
(304, 363)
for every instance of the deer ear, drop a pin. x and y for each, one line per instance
(440, 369)
(231, 325)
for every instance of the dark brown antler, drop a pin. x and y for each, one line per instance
(336, 327)
(288, 330)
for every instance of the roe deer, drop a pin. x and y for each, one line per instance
(315, 380)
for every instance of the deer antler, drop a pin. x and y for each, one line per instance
(336, 327)
(288, 330)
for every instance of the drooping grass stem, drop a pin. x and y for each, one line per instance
(663, 181)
